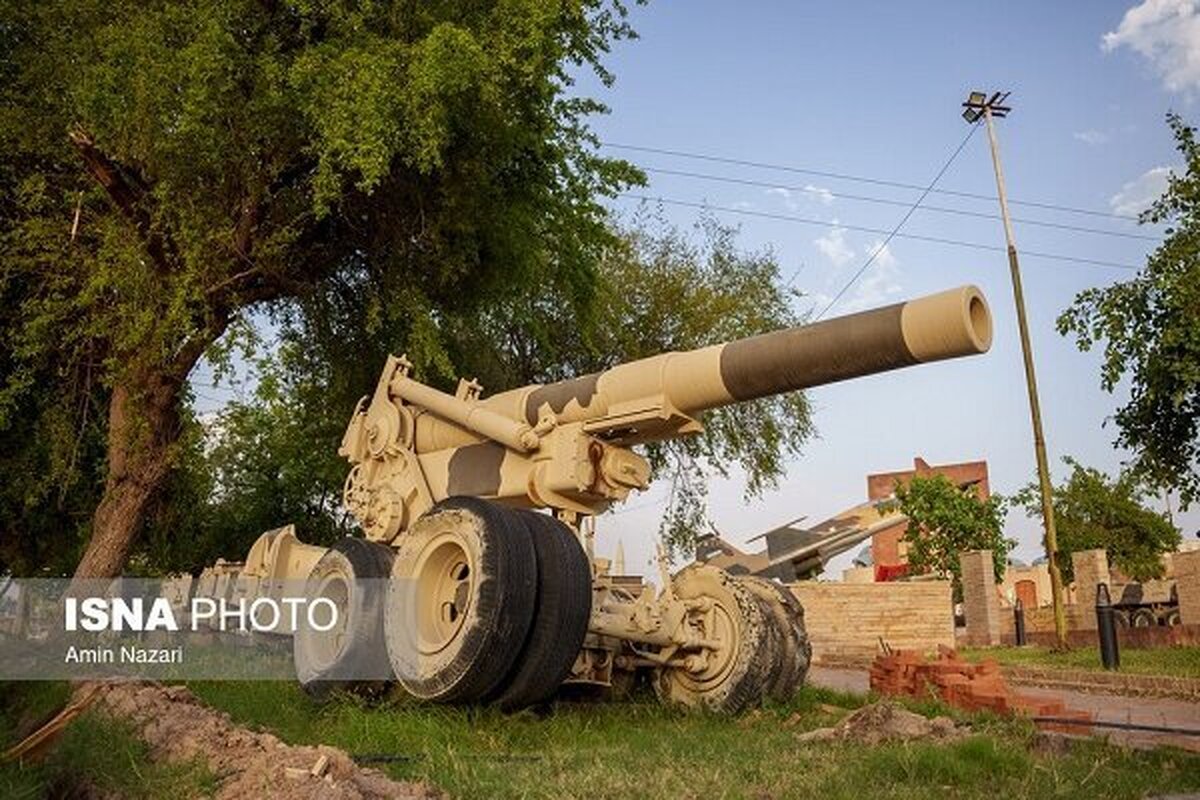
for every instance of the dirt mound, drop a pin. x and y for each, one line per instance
(882, 722)
(248, 764)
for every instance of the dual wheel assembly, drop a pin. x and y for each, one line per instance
(755, 647)
(479, 603)
(484, 604)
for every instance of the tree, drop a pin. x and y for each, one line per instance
(945, 520)
(257, 464)
(273, 459)
(1096, 513)
(1150, 327)
(225, 156)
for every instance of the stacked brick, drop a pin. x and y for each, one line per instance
(971, 687)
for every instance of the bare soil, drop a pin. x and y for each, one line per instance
(883, 722)
(248, 764)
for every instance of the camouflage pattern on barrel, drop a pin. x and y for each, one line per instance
(945, 325)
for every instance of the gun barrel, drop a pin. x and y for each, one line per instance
(945, 325)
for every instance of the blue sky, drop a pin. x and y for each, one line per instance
(874, 90)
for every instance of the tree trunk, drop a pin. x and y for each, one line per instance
(143, 428)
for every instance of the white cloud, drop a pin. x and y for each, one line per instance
(1092, 137)
(882, 253)
(786, 195)
(1167, 34)
(791, 197)
(833, 245)
(823, 195)
(1137, 195)
(879, 285)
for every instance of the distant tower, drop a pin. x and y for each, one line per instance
(619, 559)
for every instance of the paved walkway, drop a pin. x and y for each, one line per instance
(1105, 707)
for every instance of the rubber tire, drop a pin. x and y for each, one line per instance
(744, 685)
(1173, 618)
(500, 611)
(560, 618)
(795, 649)
(1142, 618)
(773, 649)
(362, 664)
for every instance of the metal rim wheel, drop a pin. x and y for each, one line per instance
(733, 676)
(1142, 618)
(350, 657)
(1173, 617)
(561, 615)
(795, 651)
(461, 600)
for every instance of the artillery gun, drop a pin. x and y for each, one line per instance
(486, 598)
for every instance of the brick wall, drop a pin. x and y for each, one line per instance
(858, 575)
(847, 619)
(1187, 581)
(882, 484)
(1041, 620)
(886, 547)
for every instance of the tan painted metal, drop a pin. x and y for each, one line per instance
(947, 324)
(567, 447)
(793, 552)
(471, 415)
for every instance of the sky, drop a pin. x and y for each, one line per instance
(874, 90)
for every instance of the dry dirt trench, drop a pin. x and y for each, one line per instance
(248, 764)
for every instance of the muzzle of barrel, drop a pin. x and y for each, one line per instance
(945, 325)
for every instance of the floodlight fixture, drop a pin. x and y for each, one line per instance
(978, 104)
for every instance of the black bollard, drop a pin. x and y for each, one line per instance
(1106, 629)
(1019, 622)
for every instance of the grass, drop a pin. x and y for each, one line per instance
(1177, 662)
(602, 750)
(97, 755)
(638, 749)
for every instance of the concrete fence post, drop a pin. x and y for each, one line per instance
(1187, 583)
(1091, 569)
(981, 604)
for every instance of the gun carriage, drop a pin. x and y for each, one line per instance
(477, 518)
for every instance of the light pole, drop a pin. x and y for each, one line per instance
(978, 105)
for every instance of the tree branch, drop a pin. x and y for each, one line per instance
(127, 192)
(243, 232)
(194, 346)
(218, 291)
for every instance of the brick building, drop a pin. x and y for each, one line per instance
(887, 549)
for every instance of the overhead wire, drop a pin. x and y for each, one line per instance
(860, 179)
(879, 231)
(887, 201)
(895, 230)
